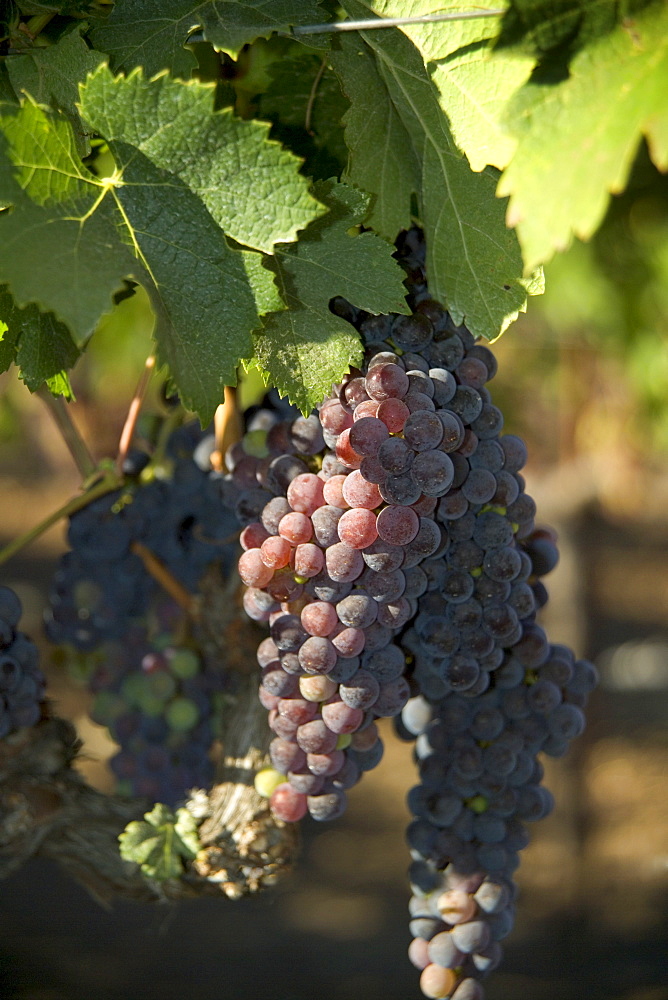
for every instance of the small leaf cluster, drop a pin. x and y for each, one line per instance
(161, 842)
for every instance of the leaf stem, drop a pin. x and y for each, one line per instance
(77, 446)
(107, 484)
(133, 412)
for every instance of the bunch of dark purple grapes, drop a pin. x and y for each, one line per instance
(152, 690)
(401, 555)
(22, 683)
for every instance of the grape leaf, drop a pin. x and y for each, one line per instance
(307, 348)
(302, 89)
(562, 27)
(578, 138)
(382, 161)
(62, 248)
(161, 842)
(50, 75)
(473, 81)
(250, 184)
(474, 262)
(152, 33)
(198, 286)
(73, 238)
(38, 343)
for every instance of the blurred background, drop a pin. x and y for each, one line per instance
(583, 377)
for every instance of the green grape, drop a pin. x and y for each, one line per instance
(267, 780)
(106, 707)
(181, 714)
(183, 663)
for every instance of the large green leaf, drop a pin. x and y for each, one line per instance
(578, 138)
(51, 76)
(249, 184)
(473, 82)
(474, 262)
(198, 288)
(307, 348)
(37, 342)
(152, 33)
(61, 244)
(73, 237)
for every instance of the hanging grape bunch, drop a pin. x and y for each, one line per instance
(398, 567)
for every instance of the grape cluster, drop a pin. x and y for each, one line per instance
(21, 681)
(408, 544)
(158, 701)
(179, 516)
(150, 688)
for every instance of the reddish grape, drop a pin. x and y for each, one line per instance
(275, 551)
(359, 493)
(357, 528)
(287, 804)
(252, 570)
(397, 525)
(305, 493)
(296, 527)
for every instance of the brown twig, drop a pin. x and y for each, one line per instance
(167, 580)
(133, 412)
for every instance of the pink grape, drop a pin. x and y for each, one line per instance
(394, 413)
(344, 563)
(308, 560)
(316, 737)
(252, 570)
(348, 642)
(341, 718)
(357, 528)
(334, 417)
(317, 655)
(325, 764)
(253, 536)
(305, 493)
(319, 618)
(367, 408)
(333, 492)
(275, 551)
(387, 382)
(357, 492)
(296, 527)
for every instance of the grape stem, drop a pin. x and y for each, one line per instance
(106, 484)
(133, 413)
(76, 445)
(227, 428)
(157, 569)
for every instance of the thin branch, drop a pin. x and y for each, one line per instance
(157, 569)
(311, 97)
(78, 448)
(133, 412)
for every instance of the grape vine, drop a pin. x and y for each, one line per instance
(350, 203)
